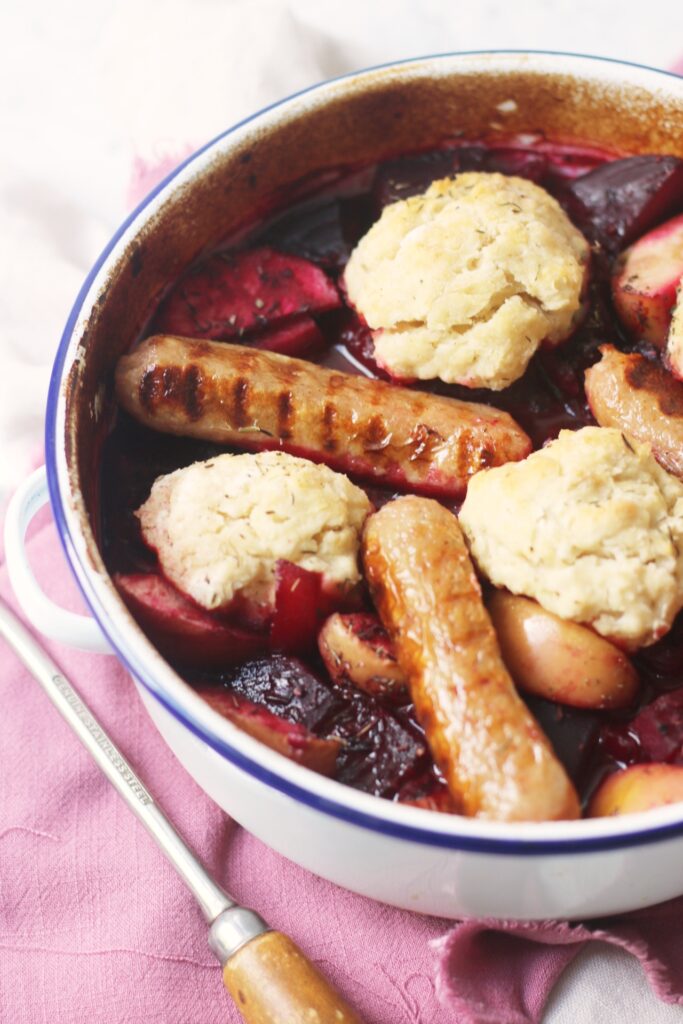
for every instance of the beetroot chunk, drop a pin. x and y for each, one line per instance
(621, 200)
(324, 232)
(182, 630)
(287, 688)
(381, 751)
(658, 729)
(233, 293)
(288, 738)
(654, 735)
(410, 175)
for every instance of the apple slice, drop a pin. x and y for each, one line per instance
(645, 281)
(674, 343)
(182, 630)
(639, 788)
(232, 294)
(292, 739)
(299, 337)
(357, 649)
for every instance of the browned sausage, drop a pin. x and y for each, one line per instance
(640, 398)
(236, 395)
(494, 756)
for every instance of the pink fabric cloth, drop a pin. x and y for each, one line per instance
(95, 926)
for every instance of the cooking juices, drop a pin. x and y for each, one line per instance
(374, 742)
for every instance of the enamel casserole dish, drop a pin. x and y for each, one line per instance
(407, 856)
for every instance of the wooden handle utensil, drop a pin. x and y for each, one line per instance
(269, 978)
(271, 981)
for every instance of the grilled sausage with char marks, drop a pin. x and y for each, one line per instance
(494, 756)
(236, 395)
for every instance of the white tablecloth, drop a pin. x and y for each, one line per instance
(90, 93)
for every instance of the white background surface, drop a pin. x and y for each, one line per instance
(88, 88)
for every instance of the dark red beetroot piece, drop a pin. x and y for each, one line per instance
(621, 200)
(410, 175)
(298, 338)
(288, 738)
(380, 750)
(539, 161)
(182, 630)
(286, 687)
(325, 232)
(654, 735)
(659, 729)
(235, 293)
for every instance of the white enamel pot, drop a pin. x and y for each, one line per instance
(413, 858)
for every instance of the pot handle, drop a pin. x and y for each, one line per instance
(78, 631)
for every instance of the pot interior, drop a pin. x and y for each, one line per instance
(288, 150)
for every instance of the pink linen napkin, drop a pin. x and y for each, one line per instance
(95, 926)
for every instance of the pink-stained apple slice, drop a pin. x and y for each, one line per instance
(559, 660)
(235, 293)
(298, 337)
(357, 649)
(296, 619)
(674, 343)
(292, 739)
(639, 788)
(182, 630)
(645, 281)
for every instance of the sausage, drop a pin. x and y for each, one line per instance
(557, 659)
(232, 394)
(550, 657)
(493, 754)
(640, 398)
